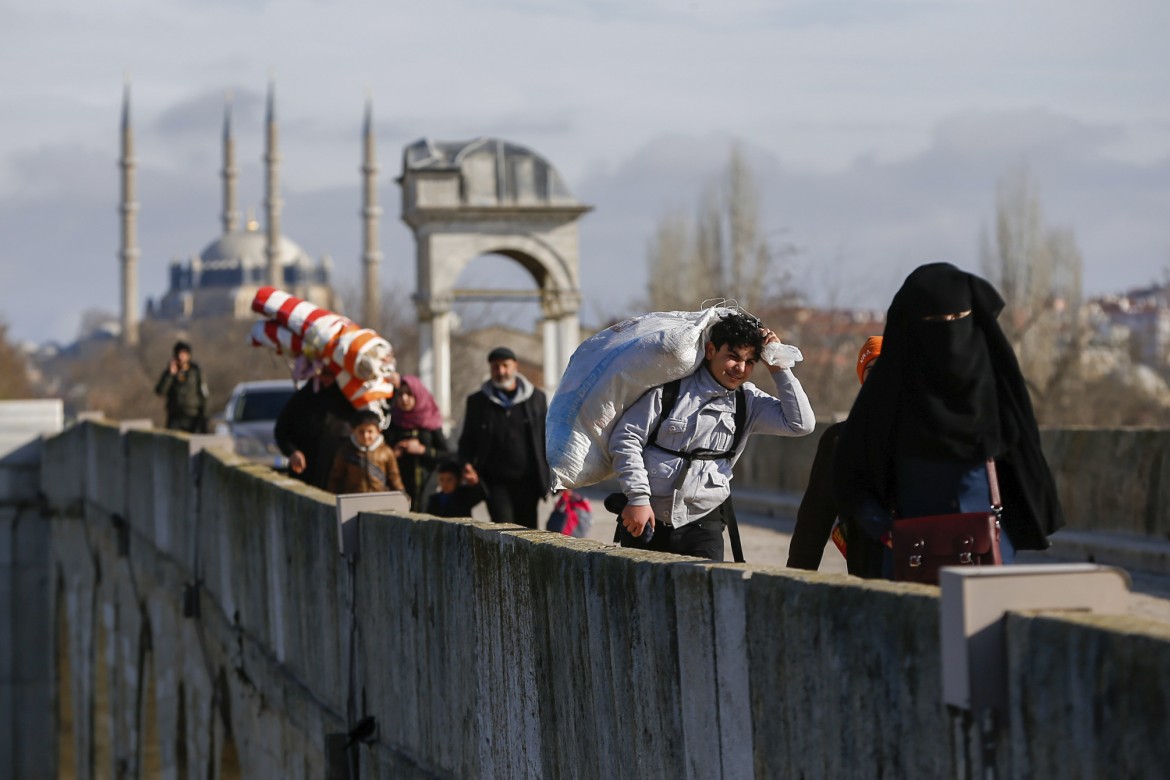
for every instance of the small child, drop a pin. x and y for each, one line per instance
(365, 463)
(455, 499)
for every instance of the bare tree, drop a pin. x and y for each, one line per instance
(1037, 269)
(721, 252)
(674, 276)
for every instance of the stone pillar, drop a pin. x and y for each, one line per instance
(561, 332)
(272, 202)
(551, 342)
(569, 333)
(434, 349)
(231, 214)
(371, 214)
(129, 209)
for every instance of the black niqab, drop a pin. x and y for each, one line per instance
(946, 398)
(948, 389)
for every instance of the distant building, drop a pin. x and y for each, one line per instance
(223, 279)
(225, 276)
(1139, 317)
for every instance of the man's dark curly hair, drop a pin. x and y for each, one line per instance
(738, 330)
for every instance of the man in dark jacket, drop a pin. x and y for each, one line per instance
(503, 439)
(312, 426)
(182, 385)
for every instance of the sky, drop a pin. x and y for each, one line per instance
(877, 129)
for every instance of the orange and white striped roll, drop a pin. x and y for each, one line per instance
(363, 353)
(363, 395)
(290, 311)
(271, 334)
(323, 333)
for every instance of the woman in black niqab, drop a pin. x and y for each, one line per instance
(946, 395)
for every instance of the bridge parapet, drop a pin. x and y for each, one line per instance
(495, 651)
(1109, 479)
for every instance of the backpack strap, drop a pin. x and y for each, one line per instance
(670, 397)
(740, 418)
(733, 530)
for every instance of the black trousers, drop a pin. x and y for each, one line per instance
(700, 539)
(512, 501)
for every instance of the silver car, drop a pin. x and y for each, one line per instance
(250, 415)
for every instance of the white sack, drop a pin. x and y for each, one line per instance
(608, 373)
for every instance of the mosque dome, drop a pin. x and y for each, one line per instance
(247, 247)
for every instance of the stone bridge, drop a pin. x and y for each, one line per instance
(184, 614)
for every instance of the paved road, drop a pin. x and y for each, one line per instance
(766, 538)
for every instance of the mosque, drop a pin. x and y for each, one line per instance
(223, 279)
(462, 200)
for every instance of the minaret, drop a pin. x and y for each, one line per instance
(272, 197)
(129, 210)
(231, 214)
(371, 212)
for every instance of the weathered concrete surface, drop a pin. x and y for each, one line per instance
(1094, 686)
(494, 651)
(1108, 479)
(1113, 480)
(26, 672)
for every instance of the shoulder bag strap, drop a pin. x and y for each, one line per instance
(993, 485)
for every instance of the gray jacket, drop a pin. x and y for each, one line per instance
(703, 418)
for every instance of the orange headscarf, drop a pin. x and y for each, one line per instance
(869, 352)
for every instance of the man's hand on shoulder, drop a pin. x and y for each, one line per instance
(635, 518)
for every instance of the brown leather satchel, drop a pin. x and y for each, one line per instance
(923, 545)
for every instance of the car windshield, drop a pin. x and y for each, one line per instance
(261, 404)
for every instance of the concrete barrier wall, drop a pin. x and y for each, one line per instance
(1112, 480)
(26, 674)
(493, 651)
(1108, 479)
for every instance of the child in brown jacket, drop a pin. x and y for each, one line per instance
(365, 463)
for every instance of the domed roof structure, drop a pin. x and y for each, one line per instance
(248, 248)
(226, 275)
(494, 172)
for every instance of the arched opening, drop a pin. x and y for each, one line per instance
(66, 742)
(496, 301)
(483, 197)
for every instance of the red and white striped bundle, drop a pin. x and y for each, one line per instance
(360, 359)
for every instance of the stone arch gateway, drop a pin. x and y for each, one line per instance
(466, 199)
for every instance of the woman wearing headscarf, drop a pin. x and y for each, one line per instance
(416, 434)
(946, 395)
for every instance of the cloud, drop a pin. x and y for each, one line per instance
(873, 219)
(1032, 132)
(878, 220)
(201, 115)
